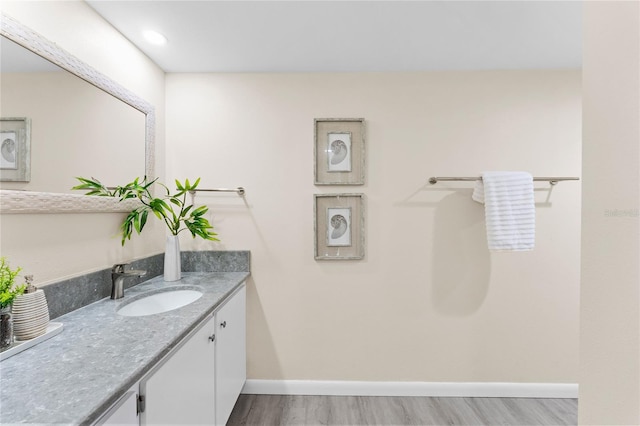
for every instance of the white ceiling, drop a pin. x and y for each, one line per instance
(334, 36)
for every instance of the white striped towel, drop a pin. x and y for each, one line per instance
(509, 210)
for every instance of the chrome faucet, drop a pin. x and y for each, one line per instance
(118, 274)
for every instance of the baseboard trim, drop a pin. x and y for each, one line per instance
(436, 389)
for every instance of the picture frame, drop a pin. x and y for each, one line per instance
(15, 149)
(339, 226)
(339, 151)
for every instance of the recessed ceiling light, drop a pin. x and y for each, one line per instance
(154, 37)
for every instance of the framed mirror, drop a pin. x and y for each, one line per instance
(81, 123)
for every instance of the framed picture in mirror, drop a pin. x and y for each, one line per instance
(15, 149)
(339, 226)
(339, 151)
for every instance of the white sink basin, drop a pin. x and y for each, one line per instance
(157, 303)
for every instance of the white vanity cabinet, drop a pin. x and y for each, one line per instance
(231, 364)
(201, 379)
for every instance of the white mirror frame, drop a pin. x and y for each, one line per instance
(12, 201)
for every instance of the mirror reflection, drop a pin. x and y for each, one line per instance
(76, 128)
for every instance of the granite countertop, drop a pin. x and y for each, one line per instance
(75, 376)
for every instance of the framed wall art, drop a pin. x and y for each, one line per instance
(339, 226)
(339, 151)
(15, 149)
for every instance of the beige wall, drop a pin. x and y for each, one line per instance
(428, 302)
(610, 296)
(55, 246)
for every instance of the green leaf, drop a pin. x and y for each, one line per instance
(165, 188)
(136, 223)
(160, 205)
(200, 211)
(128, 225)
(143, 219)
(8, 289)
(94, 186)
(148, 185)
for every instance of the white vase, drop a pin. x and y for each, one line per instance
(172, 259)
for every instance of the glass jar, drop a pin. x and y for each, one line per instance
(6, 327)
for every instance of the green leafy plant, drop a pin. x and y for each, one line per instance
(173, 209)
(8, 289)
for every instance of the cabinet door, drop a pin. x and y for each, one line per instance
(231, 361)
(182, 390)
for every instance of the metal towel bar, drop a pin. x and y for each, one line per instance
(551, 180)
(239, 190)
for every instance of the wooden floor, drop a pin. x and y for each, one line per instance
(376, 410)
